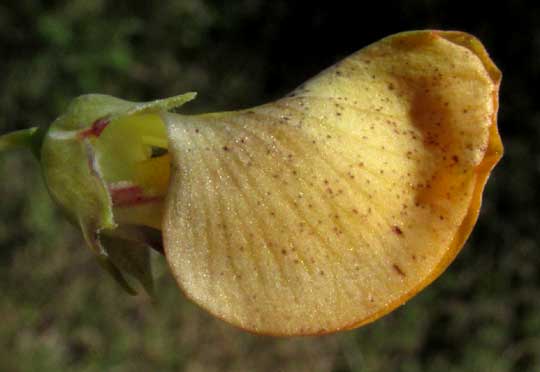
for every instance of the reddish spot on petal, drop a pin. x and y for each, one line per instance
(398, 270)
(95, 130)
(131, 195)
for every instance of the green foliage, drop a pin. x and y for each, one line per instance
(59, 310)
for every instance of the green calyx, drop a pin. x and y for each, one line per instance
(94, 158)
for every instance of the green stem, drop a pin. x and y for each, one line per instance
(26, 138)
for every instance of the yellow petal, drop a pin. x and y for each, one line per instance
(334, 205)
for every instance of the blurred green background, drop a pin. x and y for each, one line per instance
(60, 312)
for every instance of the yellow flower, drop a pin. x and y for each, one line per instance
(321, 211)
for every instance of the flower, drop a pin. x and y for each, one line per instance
(320, 211)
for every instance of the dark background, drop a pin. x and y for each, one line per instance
(59, 311)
